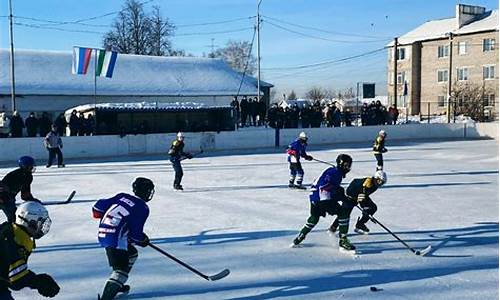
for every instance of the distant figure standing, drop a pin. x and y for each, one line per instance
(61, 124)
(16, 125)
(31, 123)
(244, 111)
(74, 123)
(53, 143)
(379, 148)
(236, 106)
(176, 153)
(44, 124)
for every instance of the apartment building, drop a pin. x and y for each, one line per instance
(467, 41)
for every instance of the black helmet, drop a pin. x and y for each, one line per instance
(27, 163)
(344, 162)
(143, 188)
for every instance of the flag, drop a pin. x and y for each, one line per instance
(81, 59)
(106, 61)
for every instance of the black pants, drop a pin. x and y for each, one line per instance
(119, 259)
(369, 208)
(9, 209)
(380, 160)
(176, 163)
(52, 153)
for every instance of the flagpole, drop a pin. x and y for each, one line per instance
(95, 91)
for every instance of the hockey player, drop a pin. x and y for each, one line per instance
(176, 153)
(295, 151)
(379, 148)
(18, 180)
(17, 241)
(328, 196)
(358, 193)
(122, 219)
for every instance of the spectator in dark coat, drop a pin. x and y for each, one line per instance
(74, 123)
(81, 121)
(337, 117)
(61, 124)
(364, 114)
(236, 106)
(44, 124)
(31, 123)
(393, 114)
(347, 117)
(244, 111)
(89, 125)
(262, 112)
(272, 115)
(16, 125)
(253, 111)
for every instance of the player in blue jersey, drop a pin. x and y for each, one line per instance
(295, 151)
(122, 219)
(327, 196)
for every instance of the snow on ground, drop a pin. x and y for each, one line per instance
(238, 213)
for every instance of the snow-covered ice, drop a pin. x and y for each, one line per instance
(238, 213)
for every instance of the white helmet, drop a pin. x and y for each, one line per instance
(380, 177)
(34, 217)
(180, 135)
(303, 136)
(382, 133)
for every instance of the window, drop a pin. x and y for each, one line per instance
(401, 53)
(489, 72)
(443, 51)
(442, 75)
(461, 100)
(463, 48)
(462, 73)
(488, 45)
(489, 100)
(441, 101)
(401, 77)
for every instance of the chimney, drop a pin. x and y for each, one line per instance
(466, 14)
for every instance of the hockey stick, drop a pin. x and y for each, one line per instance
(215, 277)
(416, 252)
(322, 161)
(193, 155)
(68, 200)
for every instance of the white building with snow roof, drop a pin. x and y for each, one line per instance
(423, 61)
(44, 81)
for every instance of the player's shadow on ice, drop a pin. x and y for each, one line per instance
(455, 240)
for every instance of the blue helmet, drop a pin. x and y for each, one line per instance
(26, 162)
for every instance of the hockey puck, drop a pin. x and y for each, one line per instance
(373, 288)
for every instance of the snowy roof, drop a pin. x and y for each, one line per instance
(144, 106)
(49, 73)
(439, 29)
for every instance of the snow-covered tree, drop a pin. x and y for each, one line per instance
(236, 54)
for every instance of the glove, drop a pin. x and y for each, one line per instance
(383, 150)
(189, 155)
(308, 157)
(144, 242)
(46, 285)
(171, 151)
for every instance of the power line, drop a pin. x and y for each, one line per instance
(327, 31)
(215, 22)
(326, 62)
(56, 28)
(214, 32)
(321, 38)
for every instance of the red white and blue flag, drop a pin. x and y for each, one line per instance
(81, 60)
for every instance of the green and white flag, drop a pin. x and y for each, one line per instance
(106, 61)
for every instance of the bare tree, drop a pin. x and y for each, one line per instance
(468, 99)
(315, 93)
(135, 32)
(160, 31)
(235, 53)
(292, 96)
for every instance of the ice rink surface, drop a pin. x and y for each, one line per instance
(237, 212)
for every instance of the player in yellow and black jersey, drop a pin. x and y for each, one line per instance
(358, 192)
(17, 241)
(379, 148)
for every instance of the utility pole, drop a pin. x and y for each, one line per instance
(450, 74)
(396, 72)
(258, 49)
(12, 76)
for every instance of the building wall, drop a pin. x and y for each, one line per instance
(474, 60)
(403, 66)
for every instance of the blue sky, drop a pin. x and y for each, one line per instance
(346, 28)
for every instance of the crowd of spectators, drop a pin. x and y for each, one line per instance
(252, 112)
(41, 126)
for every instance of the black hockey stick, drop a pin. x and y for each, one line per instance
(416, 252)
(215, 277)
(68, 200)
(193, 155)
